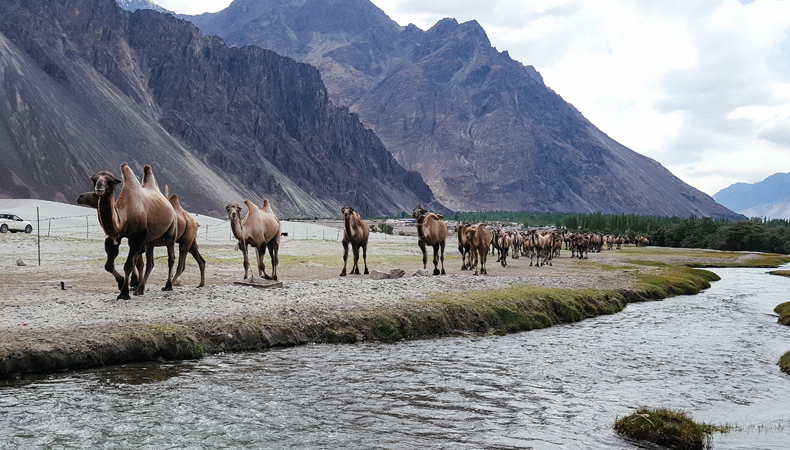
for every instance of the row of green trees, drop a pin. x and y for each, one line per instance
(757, 234)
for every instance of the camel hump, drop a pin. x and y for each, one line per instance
(266, 206)
(149, 181)
(440, 216)
(130, 181)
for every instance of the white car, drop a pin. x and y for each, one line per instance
(12, 223)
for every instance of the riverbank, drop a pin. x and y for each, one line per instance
(44, 328)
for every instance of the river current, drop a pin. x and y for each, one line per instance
(713, 355)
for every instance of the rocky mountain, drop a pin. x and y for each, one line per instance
(134, 5)
(85, 86)
(482, 129)
(767, 198)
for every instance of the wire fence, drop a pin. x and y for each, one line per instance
(211, 230)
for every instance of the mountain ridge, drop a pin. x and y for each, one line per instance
(482, 129)
(767, 198)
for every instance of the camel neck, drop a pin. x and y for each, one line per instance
(347, 223)
(107, 216)
(235, 227)
(420, 223)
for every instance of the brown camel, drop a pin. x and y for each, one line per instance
(463, 246)
(187, 241)
(356, 233)
(261, 229)
(479, 238)
(431, 231)
(142, 215)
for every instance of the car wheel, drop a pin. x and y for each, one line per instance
(3, 228)
(28, 229)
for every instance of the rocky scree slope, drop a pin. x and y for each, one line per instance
(87, 86)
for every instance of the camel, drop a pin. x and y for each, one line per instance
(463, 246)
(356, 233)
(187, 241)
(261, 229)
(142, 215)
(479, 238)
(431, 231)
(504, 242)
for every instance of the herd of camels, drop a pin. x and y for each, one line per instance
(149, 219)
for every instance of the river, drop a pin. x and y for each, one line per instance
(713, 355)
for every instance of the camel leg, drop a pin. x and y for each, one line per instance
(436, 259)
(200, 261)
(243, 248)
(137, 271)
(262, 262)
(274, 254)
(483, 259)
(182, 262)
(463, 257)
(441, 256)
(476, 252)
(345, 258)
(171, 258)
(136, 244)
(355, 249)
(421, 243)
(149, 266)
(112, 252)
(365, 257)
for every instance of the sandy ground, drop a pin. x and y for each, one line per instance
(35, 308)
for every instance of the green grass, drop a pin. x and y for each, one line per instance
(669, 280)
(784, 363)
(671, 429)
(784, 313)
(781, 273)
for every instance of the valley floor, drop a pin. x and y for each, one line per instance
(45, 328)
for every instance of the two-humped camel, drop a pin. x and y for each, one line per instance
(479, 238)
(259, 228)
(186, 240)
(142, 215)
(431, 231)
(463, 246)
(356, 233)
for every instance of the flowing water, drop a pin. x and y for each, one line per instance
(713, 355)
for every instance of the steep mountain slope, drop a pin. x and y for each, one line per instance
(86, 86)
(767, 198)
(482, 129)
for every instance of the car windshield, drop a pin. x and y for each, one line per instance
(18, 218)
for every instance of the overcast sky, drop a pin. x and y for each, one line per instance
(701, 86)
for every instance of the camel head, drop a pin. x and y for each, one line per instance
(419, 212)
(89, 199)
(104, 183)
(234, 212)
(470, 233)
(347, 211)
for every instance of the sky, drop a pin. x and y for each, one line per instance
(701, 86)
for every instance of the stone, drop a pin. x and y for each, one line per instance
(19, 262)
(422, 273)
(397, 273)
(377, 275)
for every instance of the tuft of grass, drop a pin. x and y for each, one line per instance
(784, 363)
(671, 429)
(784, 313)
(781, 273)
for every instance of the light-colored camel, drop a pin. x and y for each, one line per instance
(431, 231)
(463, 246)
(356, 233)
(479, 238)
(187, 241)
(259, 228)
(142, 215)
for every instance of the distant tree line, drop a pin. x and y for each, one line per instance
(757, 234)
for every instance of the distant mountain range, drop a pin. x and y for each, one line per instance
(482, 129)
(85, 86)
(768, 198)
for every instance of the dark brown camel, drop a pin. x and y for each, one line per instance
(261, 229)
(431, 231)
(187, 241)
(356, 233)
(479, 238)
(142, 215)
(463, 246)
